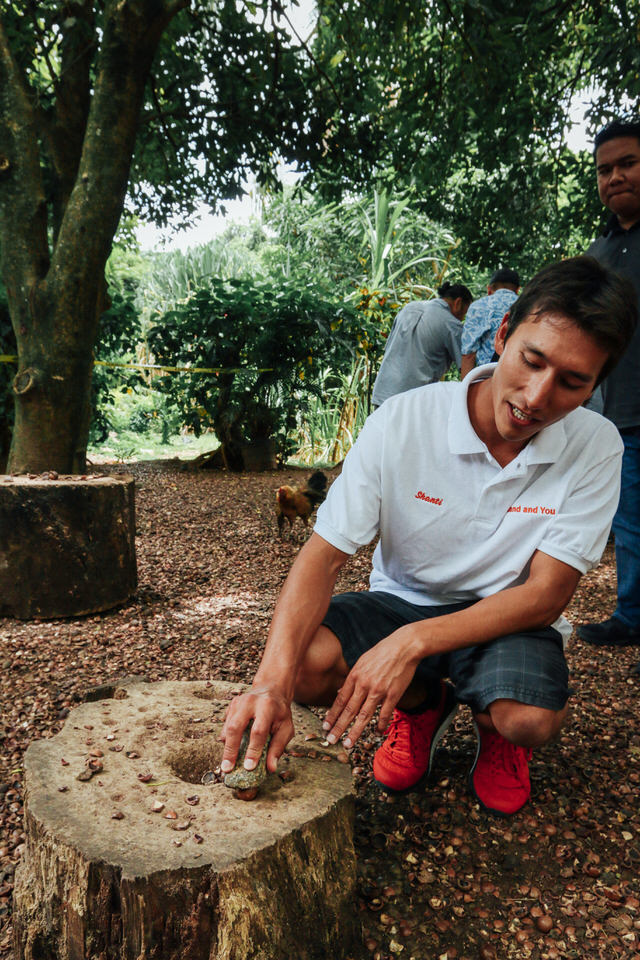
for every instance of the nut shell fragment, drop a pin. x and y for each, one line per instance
(249, 794)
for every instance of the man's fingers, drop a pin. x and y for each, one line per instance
(232, 735)
(257, 740)
(240, 714)
(342, 698)
(361, 720)
(386, 712)
(347, 714)
(266, 715)
(359, 711)
(279, 739)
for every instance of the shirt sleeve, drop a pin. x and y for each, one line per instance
(350, 516)
(579, 534)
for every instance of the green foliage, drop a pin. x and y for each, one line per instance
(176, 275)
(268, 341)
(310, 237)
(335, 416)
(118, 333)
(469, 104)
(143, 425)
(231, 94)
(373, 253)
(341, 244)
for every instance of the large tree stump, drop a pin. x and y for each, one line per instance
(67, 544)
(144, 860)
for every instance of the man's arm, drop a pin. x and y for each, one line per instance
(468, 363)
(378, 677)
(302, 604)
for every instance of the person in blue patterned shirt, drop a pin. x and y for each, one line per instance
(485, 316)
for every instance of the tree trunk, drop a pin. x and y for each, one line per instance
(67, 545)
(53, 386)
(5, 443)
(141, 860)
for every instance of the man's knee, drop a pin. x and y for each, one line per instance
(526, 725)
(322, 671)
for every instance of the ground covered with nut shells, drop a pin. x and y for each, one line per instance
(438, 879)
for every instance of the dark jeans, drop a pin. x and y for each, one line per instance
(626, 528)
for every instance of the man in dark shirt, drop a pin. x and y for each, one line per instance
(617, 156)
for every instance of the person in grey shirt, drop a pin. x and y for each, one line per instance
(424, 341)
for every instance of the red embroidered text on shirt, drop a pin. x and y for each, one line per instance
(539, 510)
(423, 496)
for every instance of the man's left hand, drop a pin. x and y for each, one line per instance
(378, 678)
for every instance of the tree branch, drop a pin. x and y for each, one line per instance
(23, 234)
(307, 50)
(130, 36)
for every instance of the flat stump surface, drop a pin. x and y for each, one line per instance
(143, 820)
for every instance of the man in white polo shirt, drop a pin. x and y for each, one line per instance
(491, 497)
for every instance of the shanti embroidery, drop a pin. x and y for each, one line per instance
(423, 496)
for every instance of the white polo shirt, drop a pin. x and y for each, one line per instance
(454, 525)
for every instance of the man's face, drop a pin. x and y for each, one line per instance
(548, 367)
(618, 172)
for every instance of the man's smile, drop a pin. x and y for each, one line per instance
(520, 414)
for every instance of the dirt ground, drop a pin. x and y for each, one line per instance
(438, 879)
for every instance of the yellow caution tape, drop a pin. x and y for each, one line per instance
(6, 358)
(156, 366)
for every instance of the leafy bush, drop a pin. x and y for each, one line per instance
(268, 342)
(140, 421)
(118, 332)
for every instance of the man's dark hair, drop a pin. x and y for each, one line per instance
(454, 290)
(597, 300)
(615, 129)
(505, 275)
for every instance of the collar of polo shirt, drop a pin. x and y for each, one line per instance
(546, 447)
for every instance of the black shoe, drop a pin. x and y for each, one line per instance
(635, 671)
(610, 633)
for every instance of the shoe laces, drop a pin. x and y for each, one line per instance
(507, 757)
(399, 736)
(402, 738)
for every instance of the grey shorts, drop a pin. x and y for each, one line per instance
(528, 667)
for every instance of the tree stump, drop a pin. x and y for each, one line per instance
(67, 544)
(151, 856)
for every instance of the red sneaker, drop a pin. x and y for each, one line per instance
(499, 777)
(406, 756)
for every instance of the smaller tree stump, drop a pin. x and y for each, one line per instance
(67, 544)
(136, 850)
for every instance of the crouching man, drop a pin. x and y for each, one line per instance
(491, 498)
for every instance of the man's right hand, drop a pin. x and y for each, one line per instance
(271, 715)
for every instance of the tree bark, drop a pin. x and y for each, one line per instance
(104, 876)
(67, 545)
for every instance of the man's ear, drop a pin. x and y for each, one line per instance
(457, 308)
(501, 334)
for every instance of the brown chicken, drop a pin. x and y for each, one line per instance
(292, 502)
